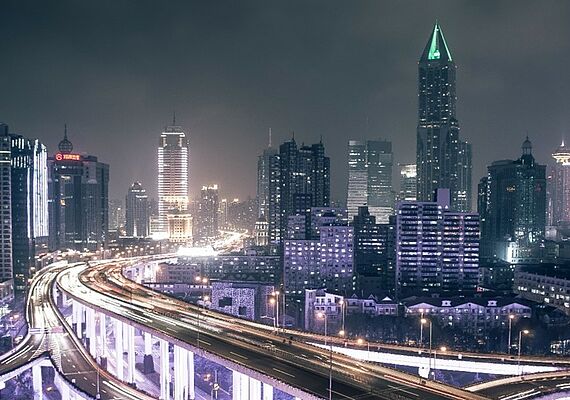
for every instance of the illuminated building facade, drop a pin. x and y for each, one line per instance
(172, 175)
(24, 186)
(374, 255)
(305, 179)
(559, 188)
(437, 250)
(137, 218)
(326, 261)
(408, 182)
(512, 202)
(206, 221)
(443, 161)
(6, 273)
(78, 199)
(30, 222)
(269, 192)
(370, 178)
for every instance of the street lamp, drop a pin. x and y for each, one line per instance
(443, 349)
(322, 315)
(423, 321)
(275, 306)
(511, 317)
(276, 311)
(526, 332)
(341, 303)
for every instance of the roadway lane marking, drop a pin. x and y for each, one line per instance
(401, 389)
(283, 372)
(238, 355)
(203, 341)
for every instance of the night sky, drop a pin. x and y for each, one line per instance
(115, 71)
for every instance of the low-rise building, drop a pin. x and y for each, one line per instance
(475, 315)
(544, 283)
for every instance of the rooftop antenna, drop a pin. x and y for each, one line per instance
(269, 137)
(173, 118)
(293, 135)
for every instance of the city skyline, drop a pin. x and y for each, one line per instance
(229, 110)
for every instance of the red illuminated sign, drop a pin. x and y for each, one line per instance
(67, 157)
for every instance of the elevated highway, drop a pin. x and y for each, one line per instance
(238, 343)
(50, 342)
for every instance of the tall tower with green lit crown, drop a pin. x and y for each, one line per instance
(439, 160)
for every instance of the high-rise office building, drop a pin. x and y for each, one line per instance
(374, 255)
(23, 209)
(305, 179)
(30, 223)
(78, 199)
(437, 250)
(515, 206)
(559, 190)
(408, 182)
(6, 272)
(116, 214)
(439, 162)
(357, 177)
(173, 194)
(136, 211)
(269, 192)
(206, 221)
(370, 178)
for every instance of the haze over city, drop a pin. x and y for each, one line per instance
(231, 70)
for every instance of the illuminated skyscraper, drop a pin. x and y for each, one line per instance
(6, 273)
(24, 207)
(206, 220)
(269, 192)
(172, 175)
(512, 202)
(439, 162)
(136, 210)
(78, 199)
(559, 189)
(370, 178)
(357, 177)
(305, 179)
(408, 182)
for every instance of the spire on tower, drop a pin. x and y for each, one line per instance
(173, 118)
(436, 47)
(65, 146)
(269, 137)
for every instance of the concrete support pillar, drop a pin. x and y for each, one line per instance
(180, 373)
(102, 342)
(190, 372)
(148, 363)
(236, 385)
(90, 331)
(267, 392)
(244, 386)
(129, 332)
(119, 348)
(37, 382)
(77, 317)
(164, 370)
(254, 389)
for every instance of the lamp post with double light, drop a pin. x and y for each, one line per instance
(525, 332)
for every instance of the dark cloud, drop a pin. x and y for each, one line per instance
(115, 71)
